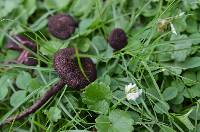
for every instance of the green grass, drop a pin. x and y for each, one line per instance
(164, 65)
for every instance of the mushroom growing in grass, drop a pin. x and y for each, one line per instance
(67, 66)
(61, 26)
(25, 56)
(117, 39)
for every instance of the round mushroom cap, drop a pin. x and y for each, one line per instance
(117, 39)
(61, 26)
(68, 69)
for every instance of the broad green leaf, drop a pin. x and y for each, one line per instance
(195, 37)
(56, 4)
(191, 62)
(178, 84)
(120, 121)
(100, 106)
(120, 22)
(17, 97)
(195, 90)
(54, 114)
(76, 131)
(99, 42)
(161, 107)
(35, 83)
(170, 93)
(117, 121)
(186, 121)
(83, 44)
(8, 6)
(190, 4)
(178, 99)
(164, 128)
(23, 80)
(50, 47)
(192, 92)
(198, 128)
(85, 24)
(181, 48)
(102, 123)
(180, 24)
(150, 10)
(163, 52)
(190, 78)
(198, 76)
(4, 84)
(192, 26)
(108, 53)
(97, 96)
(30, 7)
(195, 114)
(79, 10)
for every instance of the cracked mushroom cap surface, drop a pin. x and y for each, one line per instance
(61, 26)
(68, 69)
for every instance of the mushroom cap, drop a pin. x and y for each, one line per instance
(68, 69)
(22, 40)
(61, 26)
(117, 39)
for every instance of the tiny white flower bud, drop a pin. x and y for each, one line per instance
(132, 92)
(173, 28)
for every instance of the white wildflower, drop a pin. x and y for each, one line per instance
(173, 28)
(181, 14)
(132, 92)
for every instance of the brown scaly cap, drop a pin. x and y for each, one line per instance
(61, 26)
(117, 39)
(66, 65)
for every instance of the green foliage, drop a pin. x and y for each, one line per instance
(182, 48)
(23, 80)
(8, 6)
(117, 121)
(164, 128)
(161, 107)
(97, 96)
(17, 97)
(164, 63)
(54, 4)
(54, 114)
(4, 86)
(170, 93)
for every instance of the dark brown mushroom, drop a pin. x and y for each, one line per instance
(61, 26)
(117, 39)
(68, 69)
(25, 57)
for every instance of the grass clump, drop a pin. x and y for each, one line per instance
(145, 50)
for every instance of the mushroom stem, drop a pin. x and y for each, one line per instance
(22, 57)
(39, 103)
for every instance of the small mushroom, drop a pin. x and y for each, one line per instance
(61, 26)
(69, 70)
(67, 67)
(117, 39)
(22, 40)
(25, 57)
